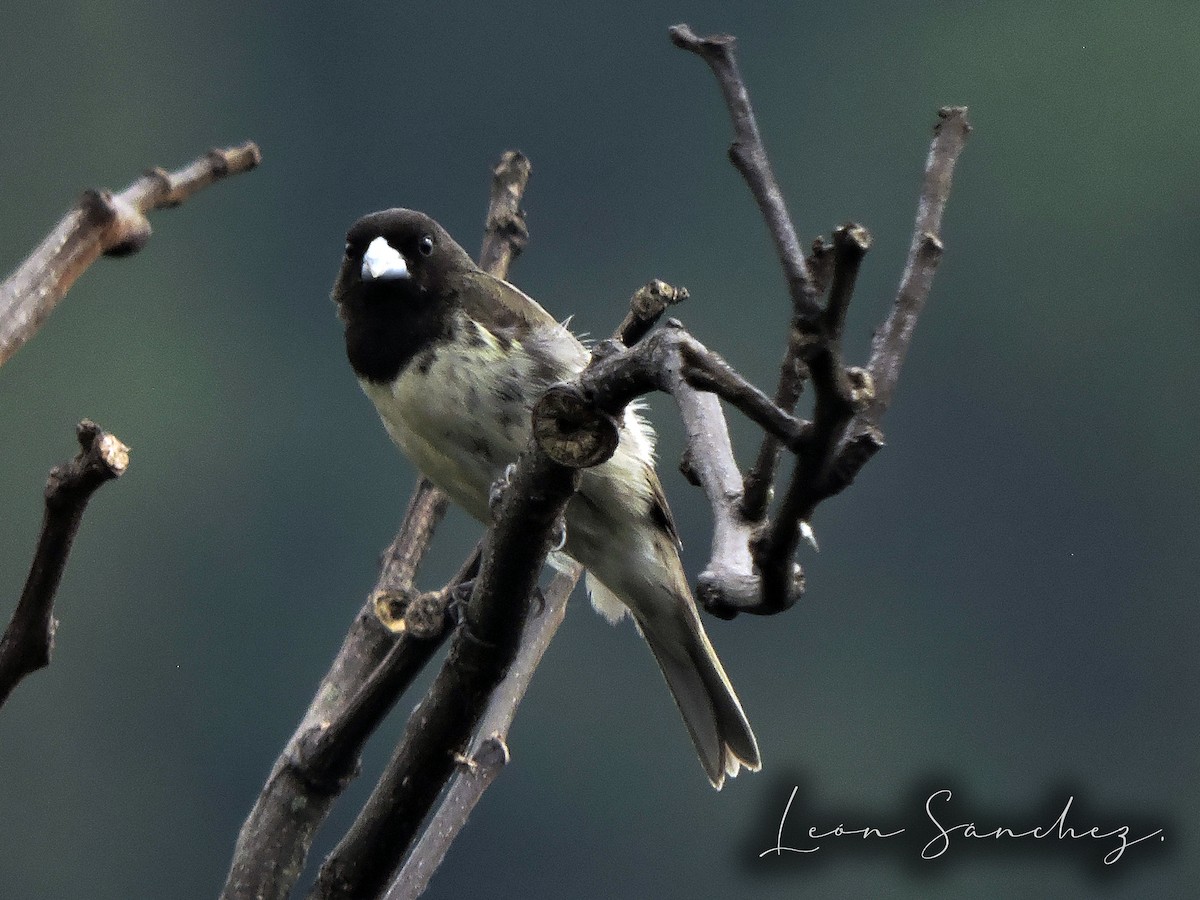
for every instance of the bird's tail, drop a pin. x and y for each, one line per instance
(711, 710)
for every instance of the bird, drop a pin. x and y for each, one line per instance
(453, 360)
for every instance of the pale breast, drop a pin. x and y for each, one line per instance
(461, 413)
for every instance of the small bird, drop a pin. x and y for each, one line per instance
(454, 359)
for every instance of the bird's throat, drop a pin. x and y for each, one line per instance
(383, 338)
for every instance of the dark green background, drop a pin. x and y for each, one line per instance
(1004, 604)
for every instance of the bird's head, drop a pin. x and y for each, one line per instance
(397, 257)
(399, 284)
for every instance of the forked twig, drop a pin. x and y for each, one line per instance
(28, 641)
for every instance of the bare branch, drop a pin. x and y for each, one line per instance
(490, 754)
(101, 223)
(706, 371)
(750, 158)
(646, 307)
(482, 650)
(505, 233)
(757, 486)
(828, 451)
(274, 841)
(839, 394)
(892, 340)
(850, 244)
(329, 753)
(29, 639)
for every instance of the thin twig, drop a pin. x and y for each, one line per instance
(750, 158)
(29, 639)
(101, 223)
(367, 676)
(646, 307)
(505, 233)
(891, 342)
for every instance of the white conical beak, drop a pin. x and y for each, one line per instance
(383, 262)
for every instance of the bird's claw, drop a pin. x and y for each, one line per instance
(806, 532)
(499, 486)
(460, 596)
(558, 537)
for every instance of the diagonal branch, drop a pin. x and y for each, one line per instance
(490, 755)
(101, 223)
(29, 639)
(369, 674)
(892, 341)
(863, 438)
(273, 844)
(483, 648)
(749, 156)
(505, 233)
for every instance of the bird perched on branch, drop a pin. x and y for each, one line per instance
(453, 360)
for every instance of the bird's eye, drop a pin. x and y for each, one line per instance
(426, 245)
(349, 250)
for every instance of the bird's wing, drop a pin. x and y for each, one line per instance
(660, 511)
(503, 308)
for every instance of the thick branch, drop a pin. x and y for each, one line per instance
(370, 672)
(101, 223)
(490, 744)
(29, 639)
(480, 653)
(274, 841)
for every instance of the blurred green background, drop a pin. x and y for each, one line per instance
(1004, 604)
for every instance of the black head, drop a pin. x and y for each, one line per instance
(396, 288)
